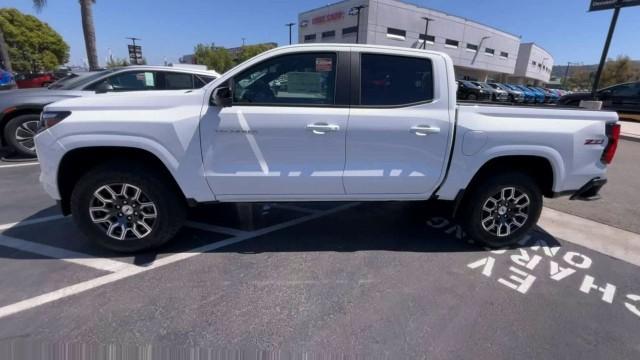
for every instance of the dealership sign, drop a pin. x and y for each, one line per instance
(610, 4)
(327, 18)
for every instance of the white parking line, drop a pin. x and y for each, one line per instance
(132, 270)
(19, 165)
(62, 254)
(605, 239)
(215, 228)
(30, 222)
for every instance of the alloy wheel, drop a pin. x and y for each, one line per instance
(505, 212)
(25, 133)
(123, 211)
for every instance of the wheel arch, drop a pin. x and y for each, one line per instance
(77, 162)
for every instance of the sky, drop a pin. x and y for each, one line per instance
(170, 29)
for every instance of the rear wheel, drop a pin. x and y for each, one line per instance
(19, 133)
(126, 208)
(501, 209)
(472, 97)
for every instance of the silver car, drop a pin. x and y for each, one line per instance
(20, 109)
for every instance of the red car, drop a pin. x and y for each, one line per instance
(34, 80)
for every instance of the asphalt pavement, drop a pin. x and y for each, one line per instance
(359, 280)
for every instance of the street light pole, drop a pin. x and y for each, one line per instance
(426, 31)
(290, 25)
(356, 11)
(566, 73)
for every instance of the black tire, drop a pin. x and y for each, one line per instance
(169, 206)
(19, 133)
(472, 97)
(473, 213)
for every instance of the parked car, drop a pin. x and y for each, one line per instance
(127, 165)
(496, 94)
(529, 96)
(472, 92)
(553, 95)
(532, 96)
(6, 80)
(623, 98)
(540, 96)
(514, 95)
(26, 81)
(20, 109)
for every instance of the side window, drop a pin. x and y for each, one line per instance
(306, 78)
(200, 81)
(395, 80)
(130, 81)
(624, 90)
(177, 81)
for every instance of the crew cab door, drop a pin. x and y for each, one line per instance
(284, 133)
(399, 126)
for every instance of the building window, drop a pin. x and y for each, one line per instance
(328, 34)
(350, 30)
(489, 51)
(533, 62)
(396, 34)
(472, 47)
(308, 38)
(430, 38)
(504, 54)
(451, 43)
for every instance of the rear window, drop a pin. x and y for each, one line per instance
(395, 80)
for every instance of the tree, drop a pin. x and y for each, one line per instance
(117, 62)
(215, 58)
(618, 71)
(86, 12)
(31, 44)
(250, 51)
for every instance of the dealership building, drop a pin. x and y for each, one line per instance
(479, 52)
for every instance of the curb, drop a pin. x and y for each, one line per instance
(630, 137)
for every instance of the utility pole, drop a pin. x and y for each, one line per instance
(290, 25)
(426, 31)
(243, 41)
(566, 73)
(355, 11)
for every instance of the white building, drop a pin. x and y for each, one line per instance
(479, 52)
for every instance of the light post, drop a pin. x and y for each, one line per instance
(426, 31)
(566, 73)
(290, 25)
(479, 48)
(355, 11)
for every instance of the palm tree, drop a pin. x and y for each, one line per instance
(87, 28)
(4, 52)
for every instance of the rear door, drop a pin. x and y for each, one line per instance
(399, 125)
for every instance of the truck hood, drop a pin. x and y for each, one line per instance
(135, 100)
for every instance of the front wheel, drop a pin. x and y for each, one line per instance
(472, 97)
(19, 133)
(501, 209)
(127, 208)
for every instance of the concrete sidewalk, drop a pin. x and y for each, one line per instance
(630, 130)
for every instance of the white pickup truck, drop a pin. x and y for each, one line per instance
(321, 122)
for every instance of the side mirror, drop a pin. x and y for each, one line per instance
(103, 87)
(221, 97)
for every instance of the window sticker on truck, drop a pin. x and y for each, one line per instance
(324, 64)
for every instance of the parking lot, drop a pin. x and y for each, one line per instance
(353, 279)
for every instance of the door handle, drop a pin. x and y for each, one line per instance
(322, 128)
(424, 130)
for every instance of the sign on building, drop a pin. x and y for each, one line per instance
(610, 4)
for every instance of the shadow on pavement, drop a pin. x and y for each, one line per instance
(391, 226)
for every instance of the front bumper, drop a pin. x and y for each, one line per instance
(590, 190)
